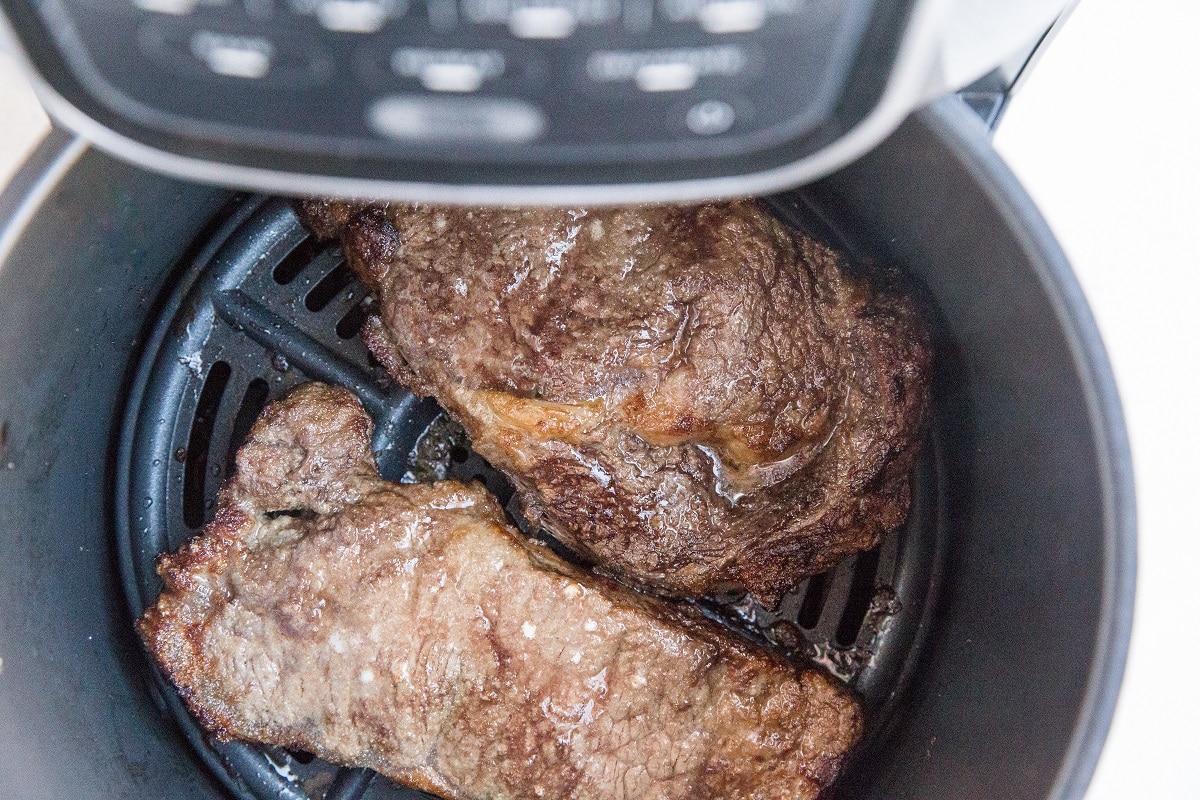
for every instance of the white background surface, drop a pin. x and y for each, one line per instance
(1105, 135)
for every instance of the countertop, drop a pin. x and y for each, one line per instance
(1105, 135)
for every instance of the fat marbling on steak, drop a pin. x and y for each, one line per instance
(408, 629)
(697, 399)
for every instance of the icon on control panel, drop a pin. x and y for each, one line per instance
(494, 120)
(669, 77)
(544, 22)
(727, 16)
(541, 19)
(442, 70)
(175, 7)
(733, 16)
(710, 117)
(673, 70)
(351, 16)
(233, 56)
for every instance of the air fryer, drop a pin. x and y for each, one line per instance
(147, 319)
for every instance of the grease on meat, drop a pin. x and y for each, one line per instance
(697, 399)
(409, 629)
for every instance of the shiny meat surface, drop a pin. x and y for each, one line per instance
(697, 399)
(408, 629)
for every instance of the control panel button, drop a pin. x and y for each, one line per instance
(226, 57)
(451, 77)
(174, 7)
(541, 19)
(423, 119)
(669, 77)
(727, 16)
(676, 69)
(441, 70)
(710, 117)
(542, 22)
(351, 16)
(733, 16)
(233, 56)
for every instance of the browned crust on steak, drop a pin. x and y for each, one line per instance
(698, 399)
(408, 629)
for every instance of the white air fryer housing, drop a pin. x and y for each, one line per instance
(646, 123)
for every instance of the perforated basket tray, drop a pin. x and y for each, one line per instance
(264, 307)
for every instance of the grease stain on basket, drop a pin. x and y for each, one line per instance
(794, 643)
(193, 363)
(435, 451)
(284, 770)
(847, 662)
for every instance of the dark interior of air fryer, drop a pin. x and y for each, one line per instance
(264, 307)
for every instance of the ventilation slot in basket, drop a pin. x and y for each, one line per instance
(253, 402)
(862, 590)
(328, 288)
(199, 440)
(296, 261)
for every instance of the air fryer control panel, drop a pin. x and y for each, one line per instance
(494, 90)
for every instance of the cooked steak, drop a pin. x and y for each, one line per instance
(408, 629)
(698, 399)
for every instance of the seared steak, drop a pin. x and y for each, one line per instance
(698, 399)
(408, 629)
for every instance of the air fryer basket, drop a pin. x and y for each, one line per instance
(271, 307)
(146, 321)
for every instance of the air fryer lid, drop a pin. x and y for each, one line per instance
(507, 101)
(996, 672)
